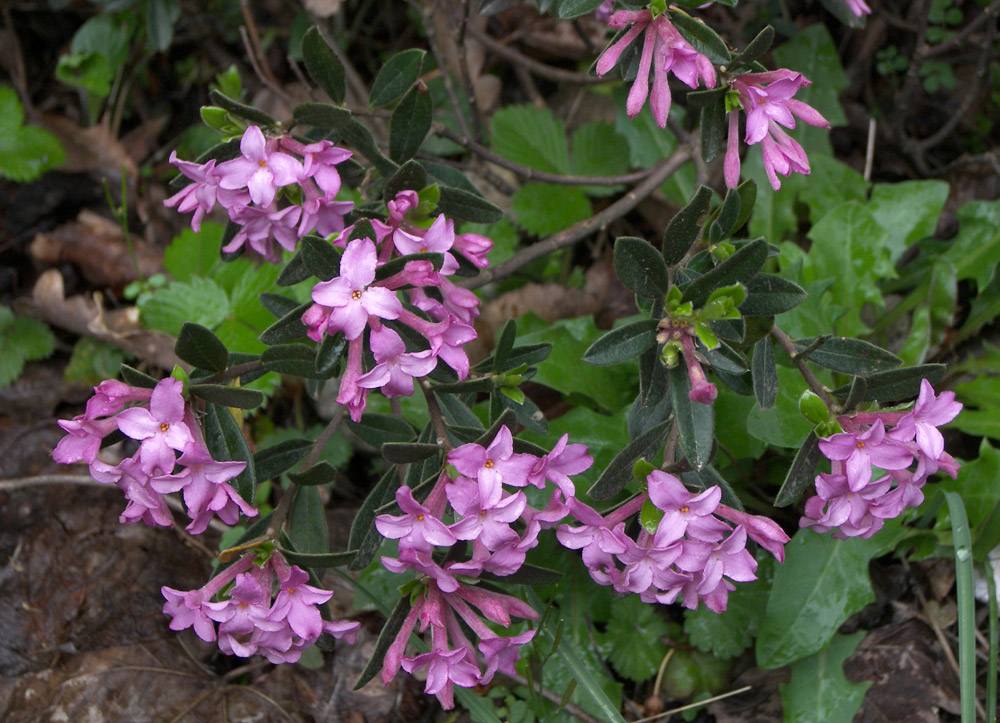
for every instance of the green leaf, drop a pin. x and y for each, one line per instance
(199, 300)
(821, 583)
(755, 50)
(695, 421)
(765, 375)
(287, 328)
(200, 348)
(322, 259)
(26, 152)
(193, 254)
(242, 110)
(701, 37)
(321, 115)
(975, 251)
(409, 125)
(770, 295)
(713, 124)
(906, 212)
(361, 139)
(323, 66)
(729, 633)
(465, 206)
(896, 384)
(635, 633)
(93, 361)
(652, 404)
(318, 560)
(161, 15)
(225, 441)
(406, 452)
(622, 343)
(526, 575)
(385, 639)
(329, 354)
(569, 9)
(364, 536)
(378, 429)
(818, 690)
(295, 359)
(89, 71)
(135, 378)
(850, 356)
(396, 76)
(307, 522)
(618, 473)
(319, 474)
(544, 209)
(682, 231)
(813, 53)
(597, 149)
(275, 460)
(977, 484)
(782, 425)
(641, 267)
(604, 435)
(228, 396)
(801, 473)
(729, 213)
(738, 268)
(530, 136)
(411, 176)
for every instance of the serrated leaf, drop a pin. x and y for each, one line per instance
(323, 66)
(635, 633)
(199, 300)
(396, 76)
(619, 472)
(765, 375)
(544, 209)
(273, 461)
(25, 151)
(530, 136)
(200, 348)
(27, 338)
(682, 231)
(695, 421)
(466, 206)
(596, 149)
(193, 254)
(770, 295)
(738, 268)
(225, 441)
(622, 343)
(236, 397)
(409, 125)
(641, 267)
(850, 356)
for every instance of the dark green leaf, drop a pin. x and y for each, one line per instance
(708, 477)
(364, 536)
(294, 271)
(385, 640)
(241, 109)
(738, 268)
(307, 523)
(319, 474)
(406, 452)
(748, 198)
(225, 442)
(850, 356)
(695, 421)
(527, 412)
(134, 377)
(765, 375)
(801, 473)
(287, 328)
(505, 343)
(411, 176)
(713, 127)
(652, 405)
(362, 229)
(396, 76)
(770, 295)
(857, 393)
(506, 419)
(641, 267)
(322, 259)
(277, 304)
(527, 575)
(321, 560)
(362, 140)
(682, 231)
(329, 354)
(755, 50)
(569, 9)
(410, 123)
(897, 384)
(619, 472)
(480, 384)
(623, 343)
(379, 429)
(321, 115)
(322, 64)
(273, 461)
(466, 206)
(160, 18)
(725, 223)
(726, 359)
(200, 348)
(399, 263)
(523, 355)
(228, 396)
(297, 360)
(701, 37)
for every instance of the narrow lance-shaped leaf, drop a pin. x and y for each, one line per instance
(467, 206)
(329, 353)
(505, 343)
(695, 421)
(134, 377)
(406, 452)
(765, 374)
(319, 474)
(322, 259)
(850, 356)
(396, 76)
(271, 462)
(713, 127)
(755, 50)
(801, 473)
(770, 295)
(323, 66)
(287, 328)
(225, 442)
(294, 271)
(228, 396)
(618, 473)
(896, 384)
(200, 348)
(410, 123)
(385, 639)
(708, 477)
(321, 115)
(307, 522)
(682, 231)
(725, 223)
(570, 9)
(295, 359)
(641, 267)
(254, 115)
(652, 405)
(701, 37)
(623, 343)
(364, 536)
(377, 429)
(362, 140)
(318, 560)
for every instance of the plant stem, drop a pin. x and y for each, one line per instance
(786, 343)
(966, 605)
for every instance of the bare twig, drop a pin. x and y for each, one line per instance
(437, 419)
(990, 11)
(567, 237)
(427, 12)
(789, 346)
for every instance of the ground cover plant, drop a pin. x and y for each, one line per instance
(707, 466)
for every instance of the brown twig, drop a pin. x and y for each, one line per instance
(427, 12)
(567, 237)
(232, 372)
(540, 69)
(437, 418)
(800, 362)
(463, 68)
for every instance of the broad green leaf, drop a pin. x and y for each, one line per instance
(287, 328)
(906, 212)
(409, 125)
(93, 361)
(647, 142)
(160, 18)
(634, 634)
(321, 115)
(396, 76)
(411, 176)
(199, 300)
(194, 254)
(543, 209)
(200, 348)
(818, 690)
(320, 473)
(322, 259)
(782, 425)
(830, 183)
(641, 267)
(596, 149)
(323, 66)
(975, 251)
(295, 359)
(25, 151)
(731, 410)
(530, 136)
(727, 634)
(896, 384)
(569, 9)
(977, 483)
(821, 583)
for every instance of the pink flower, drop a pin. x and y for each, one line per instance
(418, 528)
(499, 459)
(395, 368)
(161, 428)
(927, 415)
(858, 7)
(199, 196)
(860, 451)
(262, 169)
(264, 229)
(564, 460)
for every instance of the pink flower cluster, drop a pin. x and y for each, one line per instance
(769, 103)
(685, 550)
(355, 302)
(477, 495)
(853, 504)
(164, 425)
(248, 187)
(663, 51)
(265, 609)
